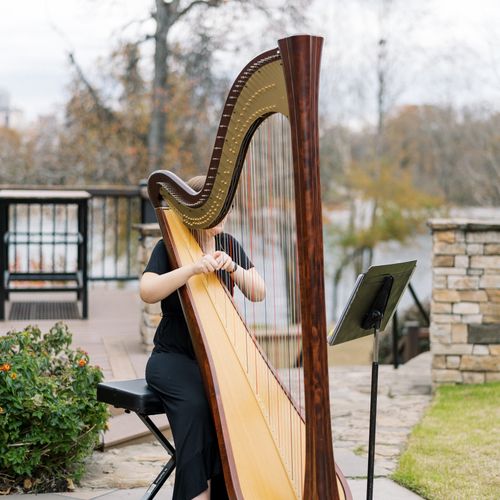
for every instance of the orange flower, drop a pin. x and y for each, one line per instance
(5, 367)
(82, 362)
(13, 376)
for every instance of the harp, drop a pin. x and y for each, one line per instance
(269, 397)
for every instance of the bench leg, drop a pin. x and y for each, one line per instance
(160, 480)
(167, 469)
(158, 434)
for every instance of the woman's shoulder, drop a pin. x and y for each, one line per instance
(158, 261)
(159, 247)
(225, 241)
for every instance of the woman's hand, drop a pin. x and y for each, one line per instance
(155, 287)
(247, 280)
(224, 260)
(207, 264)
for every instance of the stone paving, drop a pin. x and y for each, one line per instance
(113, 342)
(402, 398)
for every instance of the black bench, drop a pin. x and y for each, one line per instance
(135, 396)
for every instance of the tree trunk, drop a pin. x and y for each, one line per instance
(157, 135)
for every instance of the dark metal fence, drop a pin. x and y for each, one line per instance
(412, 333)
(112, 239)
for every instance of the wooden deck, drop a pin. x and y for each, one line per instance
(111, 335)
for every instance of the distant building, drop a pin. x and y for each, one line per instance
(9, 117)
(4, 108)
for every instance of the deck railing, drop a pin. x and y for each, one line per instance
(112, 240)
(413, 333)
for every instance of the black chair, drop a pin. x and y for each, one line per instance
(135, 396)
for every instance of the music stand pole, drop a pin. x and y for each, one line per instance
(372, 320)
(373, 417)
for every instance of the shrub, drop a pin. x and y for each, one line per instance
(49, 417)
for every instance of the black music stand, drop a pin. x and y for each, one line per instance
(373, 301)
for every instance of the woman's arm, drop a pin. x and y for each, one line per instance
(248, 280)
(155, 287)
(250, 283)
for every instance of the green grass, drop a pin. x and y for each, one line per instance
(454, 453)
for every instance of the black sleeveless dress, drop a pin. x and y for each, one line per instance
(173, 373)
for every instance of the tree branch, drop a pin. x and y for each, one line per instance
(101, 108)
(208, 3)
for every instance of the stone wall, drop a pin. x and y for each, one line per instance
(149, 234)
(465, 307)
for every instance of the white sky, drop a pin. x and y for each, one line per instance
(33, 63)
(34, 68)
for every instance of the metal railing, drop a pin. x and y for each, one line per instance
(46, 239)
(113, 242)
(412, 333)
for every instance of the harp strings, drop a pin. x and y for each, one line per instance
(263, 222)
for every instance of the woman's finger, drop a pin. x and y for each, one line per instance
(228, 264)
(223, 259)
(211, 263)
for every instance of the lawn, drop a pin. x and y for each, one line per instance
(454, 453)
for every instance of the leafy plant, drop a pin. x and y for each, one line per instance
(49, 417)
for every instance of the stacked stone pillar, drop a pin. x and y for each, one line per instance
(149, 234)
(465, 307)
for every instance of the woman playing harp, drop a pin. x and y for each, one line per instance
(264, 366)
(172, 371)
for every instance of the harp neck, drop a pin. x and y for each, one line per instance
(258, 92)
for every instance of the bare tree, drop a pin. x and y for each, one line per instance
(167, 15)
(380, 71)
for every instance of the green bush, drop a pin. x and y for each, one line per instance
(49, 417)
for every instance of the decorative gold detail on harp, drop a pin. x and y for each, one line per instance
(259, 91)
(259, 460)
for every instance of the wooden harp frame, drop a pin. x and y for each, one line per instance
(284, 80)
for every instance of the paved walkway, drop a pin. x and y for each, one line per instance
(384, 489)
(112, 341)
(403, 396)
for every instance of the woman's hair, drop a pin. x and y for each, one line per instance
(197, 182)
